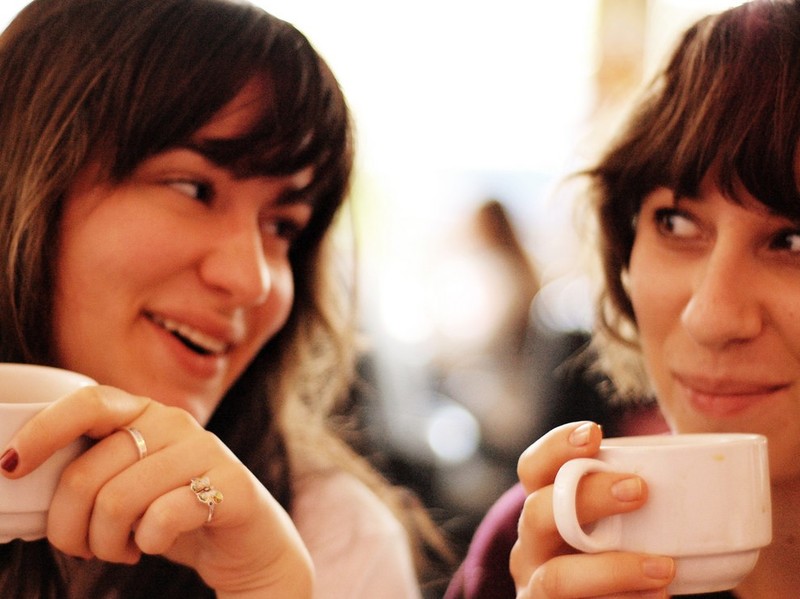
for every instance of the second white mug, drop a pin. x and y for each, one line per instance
(708, 504)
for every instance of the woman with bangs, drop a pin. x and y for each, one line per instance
(699, 220)
(169, 174)
(697, 203)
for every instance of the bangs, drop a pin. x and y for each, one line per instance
(172, 86)
(303, 125)
(727, 99)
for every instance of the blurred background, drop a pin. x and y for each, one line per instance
(469, 116)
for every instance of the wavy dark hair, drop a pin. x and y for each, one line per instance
(727, 102)
(114, 82)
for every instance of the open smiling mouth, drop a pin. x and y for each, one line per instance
(195, 340)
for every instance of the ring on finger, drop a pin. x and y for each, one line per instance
(207, 494)
(138, 440)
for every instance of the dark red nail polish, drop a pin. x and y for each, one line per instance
(9, 460)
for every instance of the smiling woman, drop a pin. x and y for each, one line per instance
(169, 175)
(698, 209)
(181, 228)
(719, 352)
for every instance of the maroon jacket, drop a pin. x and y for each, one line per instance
(484, 572)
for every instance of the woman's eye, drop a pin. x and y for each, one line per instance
(287, 222)
(283, 228)
(787, 240)
(675, 223)
(194, 189)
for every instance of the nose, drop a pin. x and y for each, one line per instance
(724, 307)
(237, 266)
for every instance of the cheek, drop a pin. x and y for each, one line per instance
(83, 284)
(654, 302)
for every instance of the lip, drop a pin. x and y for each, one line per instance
(724, 396)
(198, 365)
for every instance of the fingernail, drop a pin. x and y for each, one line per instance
(659, 568)
(580, 436)
(9, 460)
(628, 489)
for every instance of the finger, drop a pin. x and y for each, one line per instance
(611, 574)
(538, 465)
(124, 501)
(602, 494)
(92, 411)
(599, 495)
(248, 524)
(77, 492)
(81, 481)
(168, 517)
(98, 488)
(536, 529)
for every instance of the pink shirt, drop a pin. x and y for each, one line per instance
(360, 550)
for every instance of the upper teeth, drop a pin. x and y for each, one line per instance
(208, 343)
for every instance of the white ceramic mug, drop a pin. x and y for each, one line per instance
(26, 389)
(708, 504)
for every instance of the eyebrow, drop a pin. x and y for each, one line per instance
(202, 149)
(291, 194)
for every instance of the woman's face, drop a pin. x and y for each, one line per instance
(169, 283)
(715, 288)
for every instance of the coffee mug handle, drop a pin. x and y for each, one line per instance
(606, 533)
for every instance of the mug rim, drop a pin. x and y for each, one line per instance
(19, 372)
(677, 440)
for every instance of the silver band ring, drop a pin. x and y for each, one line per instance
(138, 440)
(207, 494)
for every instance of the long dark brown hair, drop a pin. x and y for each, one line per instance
(116, 81)
(728, 98)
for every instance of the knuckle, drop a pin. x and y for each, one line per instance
(112, 505)
(528, 462)
(547, 581)
(65, 543)
(518, 564)
(175, 418)
(98, 398)
(536, 518)
(74, 481)
(105, 402)
(160, 516)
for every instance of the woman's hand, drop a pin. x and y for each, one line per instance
(542, 564)
(114, 506)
